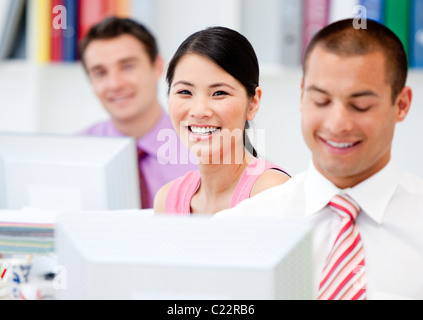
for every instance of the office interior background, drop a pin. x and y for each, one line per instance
(56, 97)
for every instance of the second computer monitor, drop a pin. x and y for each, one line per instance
(66, 172)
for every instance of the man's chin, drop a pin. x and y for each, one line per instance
(122, 115)
(336, 169)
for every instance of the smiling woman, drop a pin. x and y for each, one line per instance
(214, 91)
(123, 64)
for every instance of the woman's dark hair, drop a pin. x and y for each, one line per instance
(231, 51)
(113, 27)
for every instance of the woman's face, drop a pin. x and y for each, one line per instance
(209, 109)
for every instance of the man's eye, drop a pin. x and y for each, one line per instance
(99, 74)
(360, 108)
(321, 103)
(128, 66)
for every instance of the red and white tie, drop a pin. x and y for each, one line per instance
(344, 276)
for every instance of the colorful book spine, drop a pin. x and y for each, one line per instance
(416, 34)
(397, 19)
(342, 9)
(111, 7)
(56, 23)
(43, 20)
(91, 12)
(374, 9)
(316, 16)
(70, 34)
(122, 9)
(117, 8)
(291, 29)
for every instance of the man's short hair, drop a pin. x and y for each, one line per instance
(113, 27)
(343, 39)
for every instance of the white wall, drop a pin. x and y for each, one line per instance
(177, 19)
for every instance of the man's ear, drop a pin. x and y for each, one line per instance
(159, 66)
(302, 93)
(403, 103)
(254, 104)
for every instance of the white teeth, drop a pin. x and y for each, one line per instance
(118, 99)
(203, 130)
(339, 145)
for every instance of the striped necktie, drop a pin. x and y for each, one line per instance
(344, 276)
(143, 186)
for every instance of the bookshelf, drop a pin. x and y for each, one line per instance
(57, 97)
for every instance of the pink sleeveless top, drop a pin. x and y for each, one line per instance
(178, 201)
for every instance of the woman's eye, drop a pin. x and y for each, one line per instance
(183, 92)
(220, 93)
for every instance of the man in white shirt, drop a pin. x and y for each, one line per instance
(353, 94)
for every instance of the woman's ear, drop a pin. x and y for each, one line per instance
(254, 104)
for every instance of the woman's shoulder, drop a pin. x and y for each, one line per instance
(272, 176)
(161, 196)
(173, 186)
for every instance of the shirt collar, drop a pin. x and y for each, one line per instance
(150, 142)
(372, 195)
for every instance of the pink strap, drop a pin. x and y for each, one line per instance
(250, 176)
(178, 201)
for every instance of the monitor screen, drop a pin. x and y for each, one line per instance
(152, 257)
(67, 172)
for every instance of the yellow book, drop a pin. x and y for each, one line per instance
(43, 21)
(122, 8)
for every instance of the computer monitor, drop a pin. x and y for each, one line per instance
(134, 256)
(67, 172)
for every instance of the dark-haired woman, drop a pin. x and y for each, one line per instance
(214, 91)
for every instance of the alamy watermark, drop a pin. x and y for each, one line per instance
(226, 147)
(60, 17)
(360, 17)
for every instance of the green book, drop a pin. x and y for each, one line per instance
(397, 16)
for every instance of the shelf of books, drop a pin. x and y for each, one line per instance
(404, 17)
(49, 30)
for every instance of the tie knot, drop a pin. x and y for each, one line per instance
(141, 153)
(345, 206)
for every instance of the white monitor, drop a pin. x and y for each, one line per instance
(67, 172)
(135, 256)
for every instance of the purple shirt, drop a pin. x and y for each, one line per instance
(167, 157)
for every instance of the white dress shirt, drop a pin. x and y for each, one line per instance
(390, 223)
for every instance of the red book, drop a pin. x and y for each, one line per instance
(56, 30)
(316, 16)
(112, 7)
(91, 12)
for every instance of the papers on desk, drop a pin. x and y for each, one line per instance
(31, 231)
(27, 231)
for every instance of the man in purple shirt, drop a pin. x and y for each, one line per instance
(122, 61)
